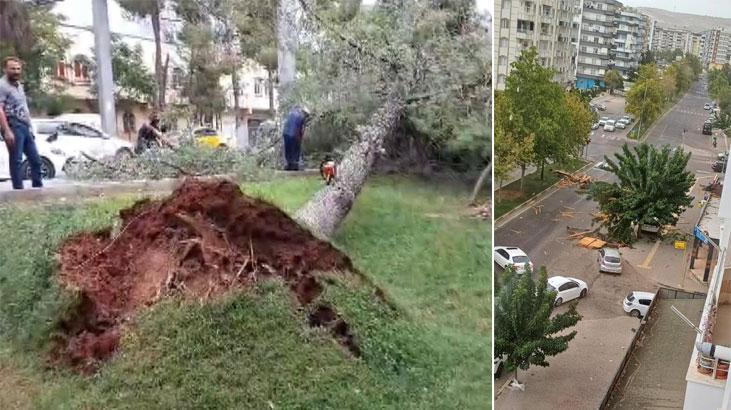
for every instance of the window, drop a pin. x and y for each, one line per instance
(177, 78)
(545, 28)
(81, 130)
(506, 4)
(564, 287)
(61, 69)
(502, 60)
(504, 42)
(47, 127)
(547, 11)
(525, 26)
(645, 302)
(81, 70)
(504, 23)
(520, 259)
(259, 88)
(503, 253)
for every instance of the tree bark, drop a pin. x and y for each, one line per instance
(543, 165)
(155, 18)
(237, 105)
(480, 182)
(270, 90)
(323, 214)
(522, 176)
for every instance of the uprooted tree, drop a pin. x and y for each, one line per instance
(414, 65)
(652, 189)
(525, 331)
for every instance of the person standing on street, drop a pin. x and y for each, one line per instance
(294, 129)
(149, 135)
(16, 126)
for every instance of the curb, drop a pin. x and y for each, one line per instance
(85, 190)
(510, 215)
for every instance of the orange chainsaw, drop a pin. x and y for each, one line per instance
(328, 170)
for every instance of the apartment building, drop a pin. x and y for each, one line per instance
(717, 47)
(669, 39)
(549, 25)
(596, 52)
(629, 41)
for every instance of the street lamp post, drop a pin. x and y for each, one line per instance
(105, 78)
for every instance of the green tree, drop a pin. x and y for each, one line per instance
(151, 9)
(695, 64)
(668, 82)
(132, 80)
(580, 118)
(538, 102)
(645, 99)
(526, 333)
(510, 152)
(652, 189)
(613, 81)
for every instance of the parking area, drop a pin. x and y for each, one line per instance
(614, 111)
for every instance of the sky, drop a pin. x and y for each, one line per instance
(716, 8)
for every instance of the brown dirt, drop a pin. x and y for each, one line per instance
(203, 240)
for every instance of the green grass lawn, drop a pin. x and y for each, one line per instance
(510, 197)
(254, 350)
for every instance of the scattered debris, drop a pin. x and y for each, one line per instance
(537, 209)
(582, 180)
(591, 243)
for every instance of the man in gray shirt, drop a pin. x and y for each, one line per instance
(15, 124)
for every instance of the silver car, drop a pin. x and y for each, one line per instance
(609, 260)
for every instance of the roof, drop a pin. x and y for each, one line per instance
(648, 295)
(556, 280)
(611, 251)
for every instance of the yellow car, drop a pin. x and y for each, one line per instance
(209, 137)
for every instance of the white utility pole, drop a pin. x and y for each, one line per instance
(105, 78)
(287, 18)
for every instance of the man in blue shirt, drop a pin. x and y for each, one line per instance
(15, 124)
(294, 129)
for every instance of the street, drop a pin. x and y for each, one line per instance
(604, 333)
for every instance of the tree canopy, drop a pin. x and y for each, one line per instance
(526, 332)
(613, 80)
(652, 189)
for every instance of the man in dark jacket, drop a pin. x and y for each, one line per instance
(149, 135)
(294, 129)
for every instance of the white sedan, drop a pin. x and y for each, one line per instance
(51, 161)
(73, 139)
(567, 288)
(512, 257)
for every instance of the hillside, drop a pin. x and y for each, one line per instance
(692, 22)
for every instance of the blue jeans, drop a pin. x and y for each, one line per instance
(292, 150)
(24, 144)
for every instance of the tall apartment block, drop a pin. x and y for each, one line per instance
(630, 40)
(717, 50)
(596, 45)
(670, 39)
(548, 25)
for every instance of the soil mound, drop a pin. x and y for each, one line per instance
(203, 240)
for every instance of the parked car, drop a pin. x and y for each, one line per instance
(210, 137)
(603, 121)
(719, 166)
(638, 303)
(73, 139)
(601, 107)
(627, 119)
(609, 126)
(567, 288)
(707, 128)
(51, 162)
(595, 126)
(621, 125)
(609, 260)
(512, 257)
(707, 106)
(498, 365)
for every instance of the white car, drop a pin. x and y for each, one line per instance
(707, 106)
(73, 139)
(90, 119)
(498, 365)
(621, 125)
(603, 121)
(595, 126)
(609, 126)
(512, 257)
(52, 163)
(609, 260)
(567, 288)
(638, 303)
(627, 119)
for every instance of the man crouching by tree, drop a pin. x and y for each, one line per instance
(294, 129)
(149, 135)
(16, 126)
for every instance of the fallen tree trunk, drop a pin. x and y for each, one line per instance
(482, 180)
(328, 207)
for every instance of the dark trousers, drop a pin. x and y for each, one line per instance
(292, 151)
(24, 144)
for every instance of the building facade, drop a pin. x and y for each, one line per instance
(629, 41)
(670, 39)
(596, 52)
(548, 25)
(717, 48)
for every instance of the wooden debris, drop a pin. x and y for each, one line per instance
(537, 209)
(591, 243)
(568, 179)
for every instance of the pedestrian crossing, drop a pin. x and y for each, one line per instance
(704, 114)
(609, 136)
